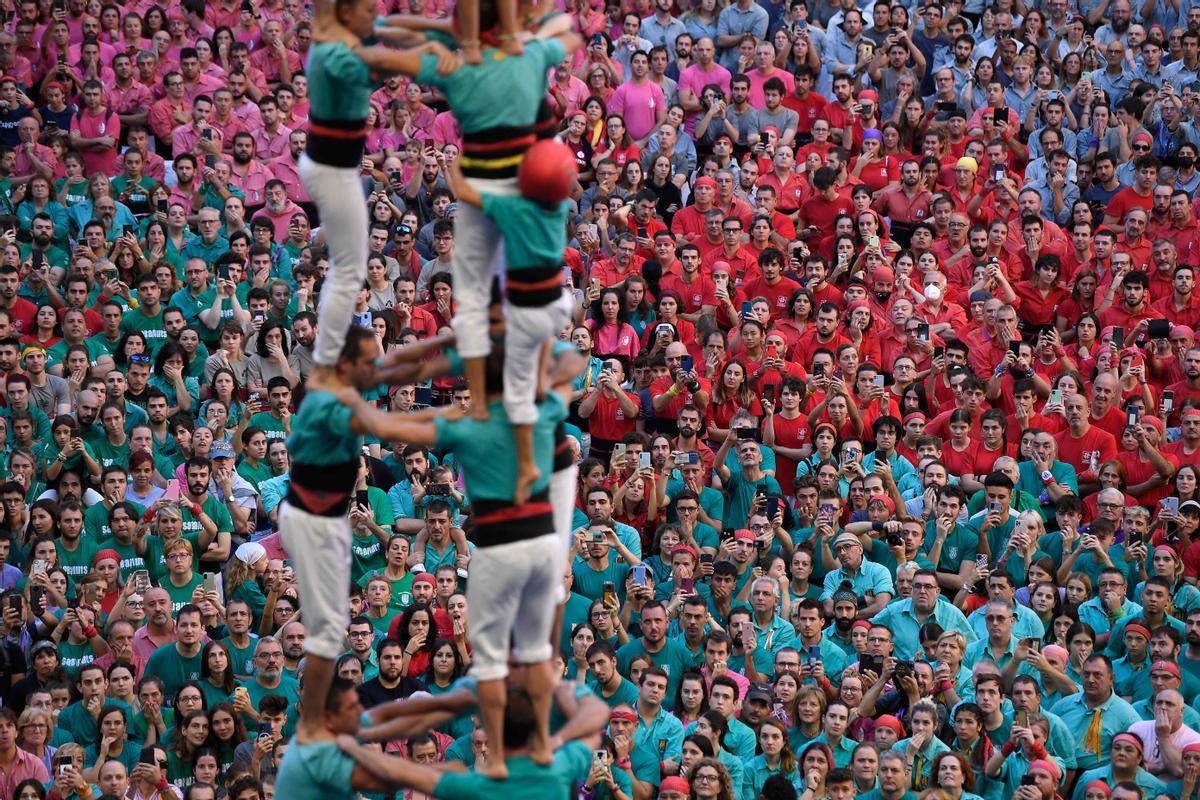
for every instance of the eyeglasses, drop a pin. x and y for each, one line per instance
(705, 777)
(997, 617)
(140, 358)
(1141, 147)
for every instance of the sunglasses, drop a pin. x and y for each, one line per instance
(140, 359)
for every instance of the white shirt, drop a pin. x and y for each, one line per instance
(1152, 760)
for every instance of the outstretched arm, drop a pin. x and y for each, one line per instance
(386, 426)
(402, 719)
(387, 61)
(376, 771)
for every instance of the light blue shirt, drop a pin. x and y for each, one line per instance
(871, 578)
(900, 618)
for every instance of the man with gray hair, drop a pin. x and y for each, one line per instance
(772, 631)
(268, 678)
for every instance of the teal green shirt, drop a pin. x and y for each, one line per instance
(471, 89)
(488, 454)
(1116, 716)
(321, 433)
(534, 235)
(900, 617)
(314, 772)
(341, 83)
(526, 780)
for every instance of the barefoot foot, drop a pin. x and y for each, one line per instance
(472, 54)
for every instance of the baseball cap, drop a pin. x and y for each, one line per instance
(1190, 506)
(760, 692)
(220, 449)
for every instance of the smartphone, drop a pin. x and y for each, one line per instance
(687, 363)
(1014, 347)
(206, 134)
(814, 654)
(1000, 113)
(1033, 644)
(360, 498)
(223, 272)
(609, 594)
(981, 561)
(1168, 401)
(210, 160)
(946, 105)
(643, 460)
(746, 307)
(681, 459)
(879, 381)
(1118, 337)
(39, 566)
(141, 579)
(16, 603)
(873, 241)
(1170, 504)
(772, 507)
(994, 507)
(1056, 397)
(619, 451)
(1131, 417)
(38, 260)
(923, 331)
(1158, 329)
(772, 350)
(639, 574)
(160, 206)
(769, 391)
(172, 492)
(61, 59)
(939, 351)
(688, 585)
(707, 558)
(438, 489)
(599, 760)
(596, 537)
(265, 729)
(748, 434)
(396, 176)
(597, 40)
(210, 582)
(998, 173)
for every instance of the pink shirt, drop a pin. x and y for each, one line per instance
(253, 184)
(280, 221)
(268, 146)
(143, 645)
(184, 139)
(575, 92)
(24, 165)
(94, 126)
(127, 101)
(446, 130)
(757, 80)
(284, 168)
(247, 111)
(695, 79)
(639, 105)
(204, 84)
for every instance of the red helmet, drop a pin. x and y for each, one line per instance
(548, 172)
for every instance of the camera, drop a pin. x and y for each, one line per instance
(894, 540)
(904, 669)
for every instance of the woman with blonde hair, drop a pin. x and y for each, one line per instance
(33, 734)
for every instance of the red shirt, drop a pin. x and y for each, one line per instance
(809, 108)
(700, 292)
(777, 295)
(688, 222)
(1126, 199)
(821, 213)
(685, 397)
(1078, 452)
(1035, 308)
(608, 420)
(791, 433)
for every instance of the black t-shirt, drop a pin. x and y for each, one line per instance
(373, 692)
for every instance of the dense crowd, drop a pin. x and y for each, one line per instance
(886, 442)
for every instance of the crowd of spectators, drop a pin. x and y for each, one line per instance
(887, 443)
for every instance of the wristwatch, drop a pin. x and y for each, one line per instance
(1047, 476)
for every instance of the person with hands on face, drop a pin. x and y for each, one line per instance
(870, 581)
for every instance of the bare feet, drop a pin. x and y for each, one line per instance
(541, 754)
(472, 54)
(510, 44)
(527, 476)
(495, 768)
